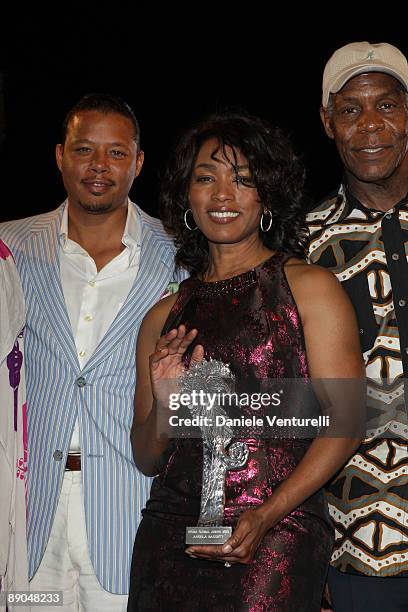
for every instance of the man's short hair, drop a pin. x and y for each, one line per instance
(103, 103)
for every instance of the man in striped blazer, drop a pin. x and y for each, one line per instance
(90, 270)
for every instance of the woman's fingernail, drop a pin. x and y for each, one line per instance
(227, 548)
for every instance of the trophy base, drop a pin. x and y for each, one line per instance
(205, 535)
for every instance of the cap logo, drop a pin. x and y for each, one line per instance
(370, 55)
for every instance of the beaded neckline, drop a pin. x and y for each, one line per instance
(236, 283)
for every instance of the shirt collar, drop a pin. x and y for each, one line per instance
(353, 203)
(345, 202)
(131, 235)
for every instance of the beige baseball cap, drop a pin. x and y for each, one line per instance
(359, 57)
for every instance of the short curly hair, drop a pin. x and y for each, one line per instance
(276, 172)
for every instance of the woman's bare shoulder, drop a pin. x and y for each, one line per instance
(315, 289)
(300, 271)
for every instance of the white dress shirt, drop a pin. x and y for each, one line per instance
(93, 298)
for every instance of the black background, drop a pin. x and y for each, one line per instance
(172, 67)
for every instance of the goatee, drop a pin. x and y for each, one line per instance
(96, 208)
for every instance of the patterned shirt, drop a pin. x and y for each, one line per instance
(368, 499)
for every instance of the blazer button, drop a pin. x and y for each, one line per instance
(58, 455)
(81, 382)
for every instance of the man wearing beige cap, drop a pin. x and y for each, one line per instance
(360, 232)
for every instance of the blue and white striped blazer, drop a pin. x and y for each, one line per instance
(101, 395)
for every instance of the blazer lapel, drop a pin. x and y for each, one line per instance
(42, 263)
(155, 269)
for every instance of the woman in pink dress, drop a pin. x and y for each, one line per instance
(233, 198)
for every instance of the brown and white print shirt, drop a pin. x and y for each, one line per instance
(368, 499)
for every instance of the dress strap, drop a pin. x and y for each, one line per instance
(284, 257)
(276, 262)
(186, 290)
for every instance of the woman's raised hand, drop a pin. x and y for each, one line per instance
(166, 363)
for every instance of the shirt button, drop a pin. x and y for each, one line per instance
(91, 283)
(88, 317)
(81, 382)
(58, 454)
(388, 216)
(82, 353)
(395, 256)
(401, 302)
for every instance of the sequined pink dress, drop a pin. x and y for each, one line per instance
(250, 322)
